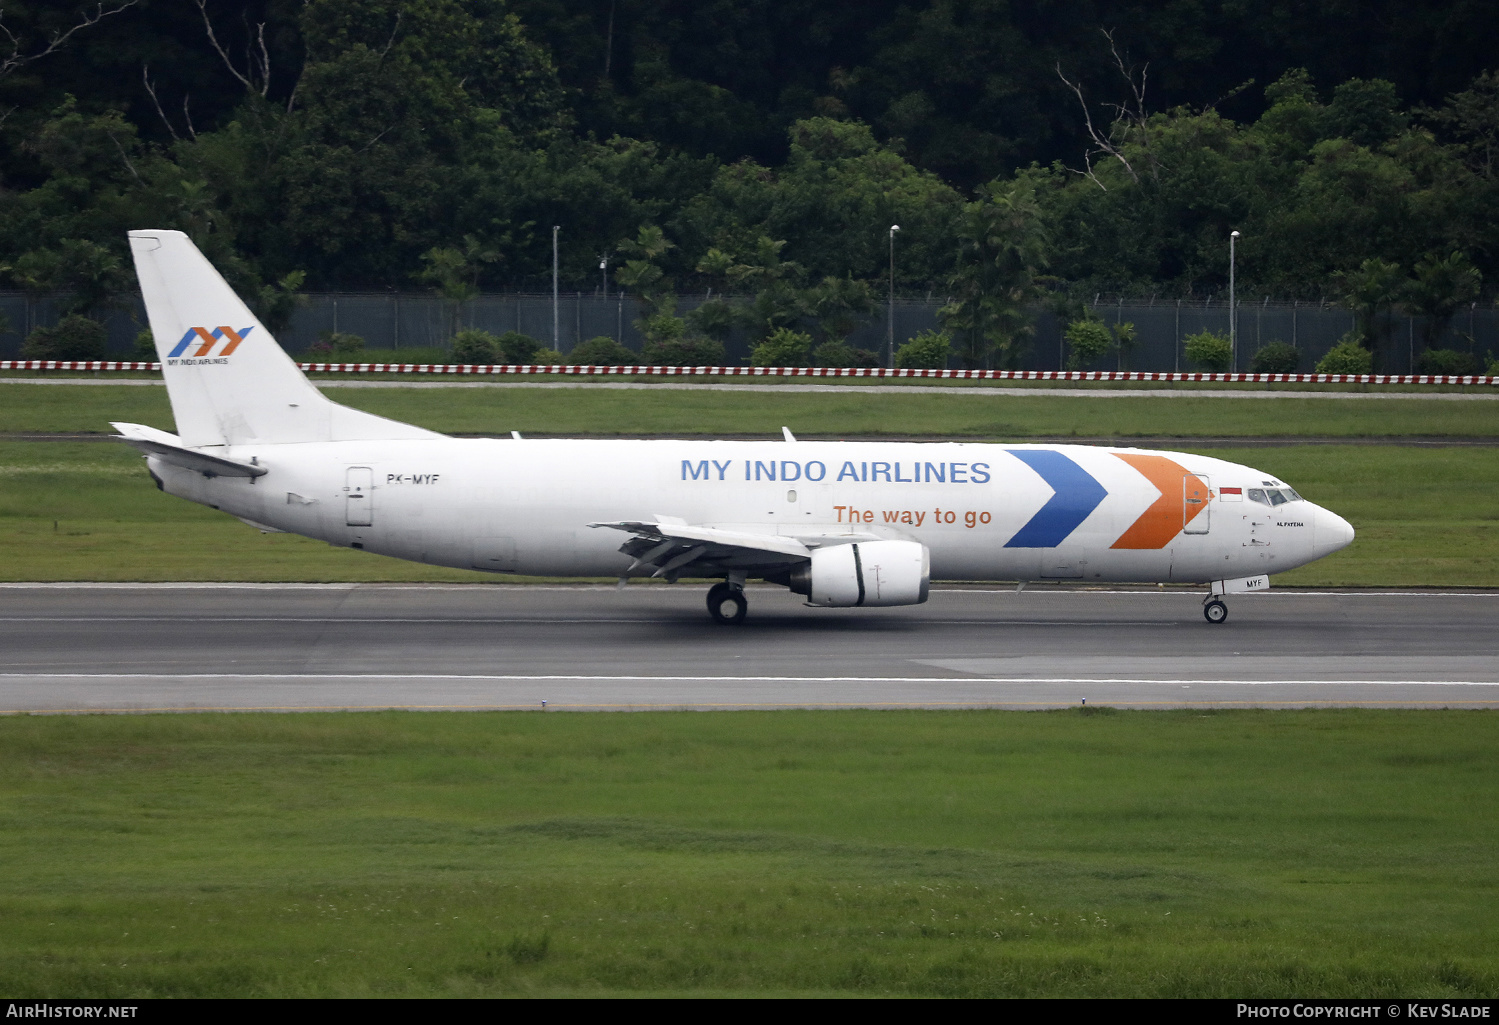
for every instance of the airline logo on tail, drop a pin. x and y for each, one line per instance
(206, 341)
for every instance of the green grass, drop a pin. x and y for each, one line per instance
(1336, 853)
(853, 412)
(87, 408)
(1424, 517)
(87, 511)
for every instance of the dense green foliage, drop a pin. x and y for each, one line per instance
(928, 350)
(783, 348)
(838, 353)
(1276, 358)
(765, 150)
(1349, 197)
(1089, 340)
(73, 337)
(1347, 357)
(601, 352)
(1088, 852)
(1449, 361)
(1208, 350)
(474, 347)
(516, 347)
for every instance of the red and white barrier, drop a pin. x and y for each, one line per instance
(874, 372)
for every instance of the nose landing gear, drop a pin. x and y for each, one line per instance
(1214, 611)
(726, 603)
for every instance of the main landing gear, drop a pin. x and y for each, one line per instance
(1214, 611)
(726, 603)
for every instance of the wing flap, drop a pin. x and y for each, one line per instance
(660, 531)
(671, 546)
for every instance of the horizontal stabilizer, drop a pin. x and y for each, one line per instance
(169, 449)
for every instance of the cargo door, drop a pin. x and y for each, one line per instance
(1062, 564)
(1196, 504)
(359, 497)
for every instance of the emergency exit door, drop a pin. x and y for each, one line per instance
(359, 498)
(1196, 504)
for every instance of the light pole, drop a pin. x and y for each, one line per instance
(1233, 313)
(556, 333)
(604, 275)
(890, 318)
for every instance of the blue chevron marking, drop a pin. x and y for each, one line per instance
(1077, 495)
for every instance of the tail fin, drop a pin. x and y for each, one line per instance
(228, 380)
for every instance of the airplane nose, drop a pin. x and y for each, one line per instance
(1332, 532)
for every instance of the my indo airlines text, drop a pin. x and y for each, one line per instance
(865, 472)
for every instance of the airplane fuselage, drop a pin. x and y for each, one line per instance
(983, 511)
(866, 524)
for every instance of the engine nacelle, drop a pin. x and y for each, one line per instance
(865, 573)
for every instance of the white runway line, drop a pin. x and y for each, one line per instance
(563, 678)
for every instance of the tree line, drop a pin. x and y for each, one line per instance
(759, 152)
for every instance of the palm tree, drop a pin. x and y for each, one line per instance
(1438, 289)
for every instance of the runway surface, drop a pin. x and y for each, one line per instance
(89, 647)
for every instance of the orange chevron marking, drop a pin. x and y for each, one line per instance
(234, 339)
(209, 341)
(1168, 514)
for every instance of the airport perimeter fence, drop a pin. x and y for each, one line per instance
(392, 322)
(586, 370)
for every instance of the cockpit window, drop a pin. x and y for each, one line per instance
(1273, 496)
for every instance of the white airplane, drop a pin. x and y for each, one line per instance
(844, 524)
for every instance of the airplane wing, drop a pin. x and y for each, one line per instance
(671, 546)
(169, 448)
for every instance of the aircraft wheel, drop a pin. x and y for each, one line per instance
(1215, 611)
(727, 604)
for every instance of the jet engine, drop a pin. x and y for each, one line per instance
(865, 573)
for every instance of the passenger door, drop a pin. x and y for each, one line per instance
(1196, 504)
(359, 497)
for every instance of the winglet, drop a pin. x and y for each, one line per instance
(786, 431)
